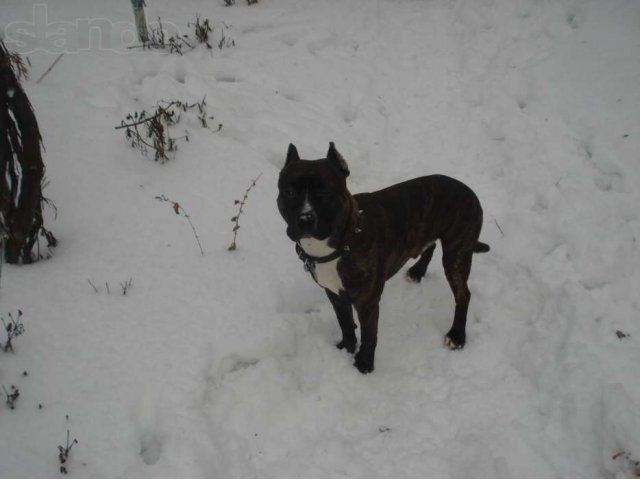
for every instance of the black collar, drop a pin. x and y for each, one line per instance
(305, 257)
(311, 261)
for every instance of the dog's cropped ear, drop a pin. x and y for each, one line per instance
(292, 155)
(336, 159)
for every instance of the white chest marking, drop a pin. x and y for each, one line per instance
(326, 273)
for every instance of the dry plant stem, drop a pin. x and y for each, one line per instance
(159, 124)
(11, 397)
(157, 130)
(14, 329)
(50, 68)
(177, 208)
(195, 234)
(64, 452)
(160, 111)
(126, 286)
(236, 219)
(93, 286)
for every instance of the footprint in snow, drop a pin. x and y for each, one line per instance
(233, 363)
(291, 95)
(150, 448)
(522, 103)
(226, 79)
(289, 39)
(575, 19)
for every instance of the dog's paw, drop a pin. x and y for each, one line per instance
(450, 344)
(364, 363)
(348, 345)
(453, 342)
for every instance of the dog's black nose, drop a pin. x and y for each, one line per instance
(306, 221)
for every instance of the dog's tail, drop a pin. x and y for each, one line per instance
(481, 248)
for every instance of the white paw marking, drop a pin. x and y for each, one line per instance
(450, 344)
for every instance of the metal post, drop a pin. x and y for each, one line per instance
(141, 20)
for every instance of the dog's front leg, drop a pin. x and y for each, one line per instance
(368, 317)
(344, 312)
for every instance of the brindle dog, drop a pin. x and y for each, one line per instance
(352, 244)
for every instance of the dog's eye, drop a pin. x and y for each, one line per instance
(325, 194)
(290, 192)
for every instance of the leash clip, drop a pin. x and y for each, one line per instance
(308, 264)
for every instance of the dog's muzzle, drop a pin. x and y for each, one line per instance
(306, 223)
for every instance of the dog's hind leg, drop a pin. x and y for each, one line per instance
(457, 266)
(344, 312)
(418, 270)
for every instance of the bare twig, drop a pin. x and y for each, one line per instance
(92, 285)
(498, 225)
(50, 68)
(11, 397)
(63, 456)
(145, 119)
(178, 209)
(126, 286)
(14, 329)
(225, 41)
(236, 219)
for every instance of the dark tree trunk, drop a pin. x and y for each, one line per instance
(21, 169)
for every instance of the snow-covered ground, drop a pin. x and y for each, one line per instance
(224, 364)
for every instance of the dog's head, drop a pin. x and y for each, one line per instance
(313, 197)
